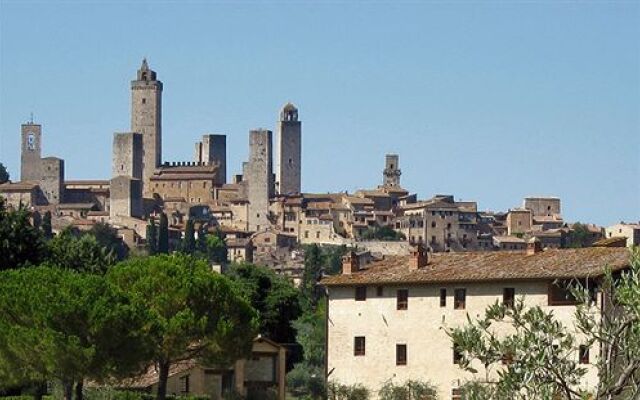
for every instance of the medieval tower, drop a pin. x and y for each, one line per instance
(146, 119)
(213, 150)
(31, 152)
(289, 151)
(259, 172)
(391, 173)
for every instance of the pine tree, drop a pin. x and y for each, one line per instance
(163, 234)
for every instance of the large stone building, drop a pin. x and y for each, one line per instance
(629, 231)
(289, 151)
(386, 318)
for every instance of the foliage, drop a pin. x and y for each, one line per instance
(80, 326)
(542, 353)
(152, 237)
(4, 174)
(45, 227)
(579, 236)
(378, 232)
(337, 391)
(409, 390)
(163, 234)
(194, 314)
(306, 381)
(81, 253)
(189, 241)
(272, 296)
(216, 249)
(107, 237)
(21, 244)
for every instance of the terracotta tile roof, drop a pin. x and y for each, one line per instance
(508, 239)
(489, 266)
(18, 186)
(88, 182)
(151, 377)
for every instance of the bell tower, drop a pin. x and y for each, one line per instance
(289, 151)
(146, 119)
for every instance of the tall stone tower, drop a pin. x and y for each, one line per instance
(289, 150)
(146, 118)
(259, 172)
(31, 152)
(213, 149)
(391, 173)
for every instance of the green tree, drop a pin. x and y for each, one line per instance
(201, 241)
(107, 237)
(163, 234)
(189, 241)
(313, 264)
(196, 314)
(21, 244)
(579, 236)
(4, 175)
(47, 231)
(81, 253)
(409, 390)
(541, 352)
(216, 249)
(272, 296)
(79, 326)
(152, 237)
(378, 232)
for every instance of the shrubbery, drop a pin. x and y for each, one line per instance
(338, 391)
(409, 390)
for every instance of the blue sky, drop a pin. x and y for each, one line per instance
(489, 101)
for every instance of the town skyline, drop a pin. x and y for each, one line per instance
(477, 164)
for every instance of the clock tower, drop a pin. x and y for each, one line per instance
(31, 152)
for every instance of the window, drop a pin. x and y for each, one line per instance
(459, 299)
(403, 299)
(457, 355)
(456, 394)
(401, 354)
(443, 297)
(583, 354)
(379, 291)
(560, 294)
(508, 296)
(184, 384)
(358, 346)
(317, 234)
(306, 234)
(361, 293)
(448, 226)
(433, 224)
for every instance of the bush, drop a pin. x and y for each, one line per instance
(409, 390)
(306, 380)
(337, 391)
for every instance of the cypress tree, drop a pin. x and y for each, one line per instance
(47, 231)
(163, 234)
(189, 243)
(152, 237)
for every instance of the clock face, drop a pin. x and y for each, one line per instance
(31, 141)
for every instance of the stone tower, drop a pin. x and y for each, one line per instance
(259, 173)
(146, 118)
(213, 150)
(391, 173)
(31, 152)
(289, 151)
(127, 155)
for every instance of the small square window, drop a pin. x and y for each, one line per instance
(401, 354)
(508, 296)
(459, 299)
(361, 293)
(402, 299)
(583, 354)
(443, 297)
(359, 346)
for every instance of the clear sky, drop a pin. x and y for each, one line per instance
(488, 101)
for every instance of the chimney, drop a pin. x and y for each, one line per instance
(419, 257)
(350, 263)
(533, 246)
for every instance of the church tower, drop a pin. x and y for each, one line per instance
(146, 119)
(31, 152)
(289, 151)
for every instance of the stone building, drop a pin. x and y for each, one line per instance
(146, 119)
(519, 221)
(392, 172)
(212, 150)
(543, 206)
(289, 151)
(630, 231)
(259, 175)
(386, 316)
(31, 152)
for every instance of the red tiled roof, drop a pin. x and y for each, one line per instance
(489, 266)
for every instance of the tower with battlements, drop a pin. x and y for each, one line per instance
(146, 119)
(289, 151)
(391, 173)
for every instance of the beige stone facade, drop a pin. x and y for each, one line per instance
(630, 231)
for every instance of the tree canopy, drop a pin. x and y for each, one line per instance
(81, 253)
(21, 244)
(195, 314)
(4, 174)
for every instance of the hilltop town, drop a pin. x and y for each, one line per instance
(262, 211)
